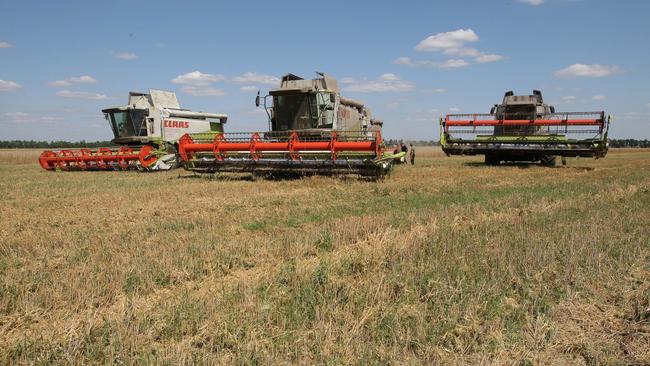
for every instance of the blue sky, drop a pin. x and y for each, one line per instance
(61, 62)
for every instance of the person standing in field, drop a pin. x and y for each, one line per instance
(412, 155)
(404, 149)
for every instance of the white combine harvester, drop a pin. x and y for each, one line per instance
(147, 128)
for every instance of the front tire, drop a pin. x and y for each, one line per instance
(492, 160)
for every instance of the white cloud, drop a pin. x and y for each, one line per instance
(452, 44)
(388, 77)
(403, 61)
(17, 116)
(126, 56)
(8, 85)
(569, 99)
(202, 91)
(248, 88)
(453, 64)
(197, 78)
(454, 109)
(413, 63)
(447, 64)
(199, 84)
(447, 40)
(51, 119)
(480, 57)
(488, 58)
(22, 117)
(5, 45)
(59, 83)
(584, 70)
(532, 2)
(255, 78)
(599, 97)
(463, 52)
(434, 90)
(385, 83)
(84, 79)
(80, 95)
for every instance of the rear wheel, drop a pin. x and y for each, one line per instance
(491, 159)
(548, 160)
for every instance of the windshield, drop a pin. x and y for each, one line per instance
(525, 111)
(128, 123)
(302, 111)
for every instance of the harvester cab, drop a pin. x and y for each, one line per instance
(147, 129)
(312, 129)
(156, 117)
(524, 128)
(315, 106)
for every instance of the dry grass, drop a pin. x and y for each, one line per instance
(447, 262)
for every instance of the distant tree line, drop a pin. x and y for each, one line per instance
(31, 144)
(629, 143)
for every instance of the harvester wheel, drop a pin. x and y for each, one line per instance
(491, 159)
(548, 160)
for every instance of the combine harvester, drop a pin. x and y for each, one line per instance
(148, 128)
(312, 130)
(524, 128)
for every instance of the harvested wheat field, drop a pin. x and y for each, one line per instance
(446, 262)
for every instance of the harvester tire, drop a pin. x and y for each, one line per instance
(492, 160)
(548, 160)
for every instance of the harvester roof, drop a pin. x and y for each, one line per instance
(291, 83)
(510, 99)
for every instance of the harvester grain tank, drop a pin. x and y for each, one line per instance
(524, 128)
(147, 128)
(312, 129)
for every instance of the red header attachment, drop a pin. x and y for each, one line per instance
(256, 145)
(555, 119)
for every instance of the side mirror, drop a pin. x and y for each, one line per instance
(552, 109)
(257, 99)
(492, 110)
